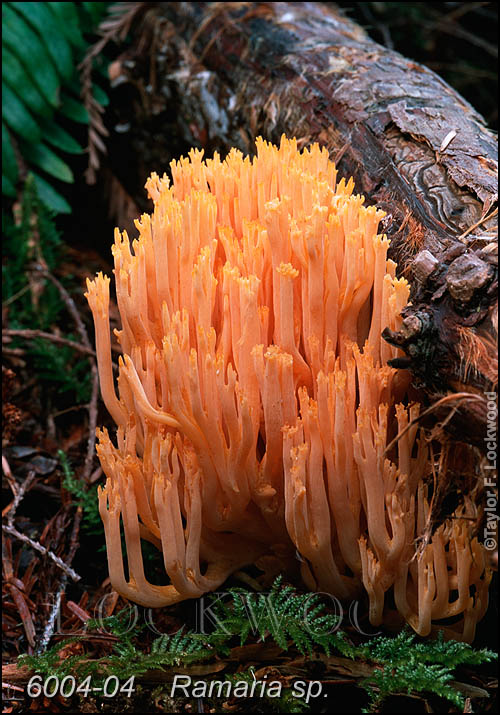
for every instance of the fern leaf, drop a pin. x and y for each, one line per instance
(70, 25)
(32, 53)
(8, 187)
(9, 163)
(60, 138)
(73, 109)
(39, 16)
(14, 74)
(50, 197)
(43, 157)
(17, 117)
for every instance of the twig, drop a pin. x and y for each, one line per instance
(72, 309)
(19, 492)
(9, 475)
(16, 588)
(17, 295)
(78, 611)
(92, 407)
(73, 544)
(73, 408)
(340, 153)
(428, 411)
(41, 549)
(49, 626)
(48, 631)
(96, 474)
(478, 223)
(458, 31)
(24, 612)
(89, 457)
(463, 9)
(33, 334)
(381, 27)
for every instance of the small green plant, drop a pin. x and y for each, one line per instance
(86, 498)
(418, 667)
(33, 246)
(31, 240)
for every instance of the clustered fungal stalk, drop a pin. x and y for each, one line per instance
(255, 404)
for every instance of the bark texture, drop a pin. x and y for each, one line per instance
(216, 75)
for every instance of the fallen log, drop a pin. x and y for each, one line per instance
(221, 74)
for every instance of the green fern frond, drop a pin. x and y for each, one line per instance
(43, 42)
(288, 618)
(417, 667)
(422, 678)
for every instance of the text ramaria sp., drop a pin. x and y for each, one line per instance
(185, 686)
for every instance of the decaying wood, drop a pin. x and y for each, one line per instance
(223, 73)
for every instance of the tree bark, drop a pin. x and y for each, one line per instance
(219, 74)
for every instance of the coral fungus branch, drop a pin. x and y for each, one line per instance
(255, 405)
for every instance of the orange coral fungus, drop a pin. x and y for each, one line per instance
(255, 403)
